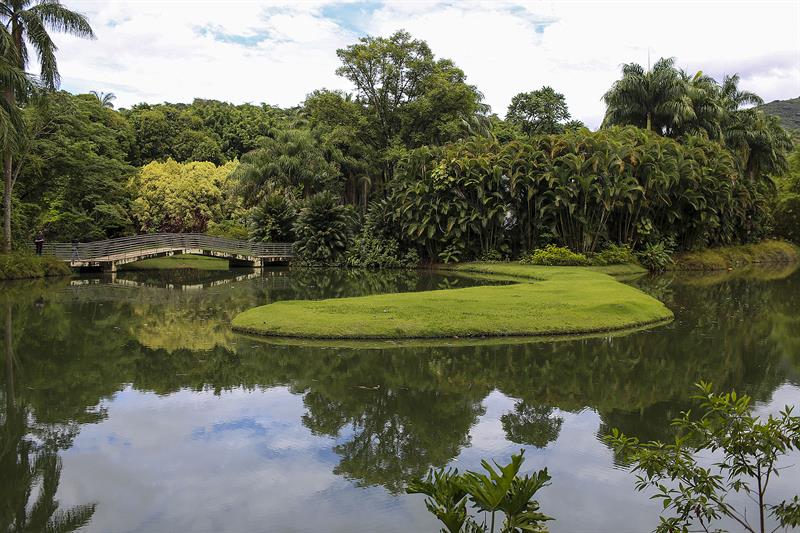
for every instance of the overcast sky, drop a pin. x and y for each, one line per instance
(277, 52)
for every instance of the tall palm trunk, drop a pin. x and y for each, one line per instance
(8, 164)
(7, 183)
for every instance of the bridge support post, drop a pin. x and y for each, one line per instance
(110, 267)
(234, 262)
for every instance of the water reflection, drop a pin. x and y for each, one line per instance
(29, 463)
(113, 374)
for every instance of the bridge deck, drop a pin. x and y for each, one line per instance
(112, 252)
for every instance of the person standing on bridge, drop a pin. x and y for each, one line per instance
(74, 250)
(39, 242)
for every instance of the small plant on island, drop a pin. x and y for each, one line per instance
(552, 255)
(501, 489)
(656, 257)
(748, 449)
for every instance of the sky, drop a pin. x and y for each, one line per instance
(279, 51)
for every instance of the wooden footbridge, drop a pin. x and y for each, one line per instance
(111, 253)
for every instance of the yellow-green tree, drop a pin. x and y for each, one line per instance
(180, 197)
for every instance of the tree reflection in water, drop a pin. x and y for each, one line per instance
(29, 459)
(393, 412)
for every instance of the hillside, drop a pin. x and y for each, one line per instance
(787, 110)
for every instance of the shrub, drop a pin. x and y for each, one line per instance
(372, 251)
(614, 254)
(273, 219)
(451, 254)
(552, 255)
(656, 257)
(787, 217)
(229, 229)
(323, 230)
(26, 265)
(492, 256)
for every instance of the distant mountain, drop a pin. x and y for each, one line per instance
(787, 110)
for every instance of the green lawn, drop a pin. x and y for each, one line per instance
(544, 301)
(196, 262)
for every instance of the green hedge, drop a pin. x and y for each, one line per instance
(25, 265)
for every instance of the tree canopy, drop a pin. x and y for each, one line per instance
(423, 169)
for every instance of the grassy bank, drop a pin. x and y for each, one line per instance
(766, 252)
(543, 301)
(518, 270)
(184, 261)
(27, 265)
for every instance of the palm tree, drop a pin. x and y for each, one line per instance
(732, 98)
(12, 79)
(28, 22)
(655, 99)
(105, 99)
(758, 140)
(704, 93)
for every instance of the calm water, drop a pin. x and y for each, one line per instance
(130, 405)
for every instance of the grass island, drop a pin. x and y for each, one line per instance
(540, 301)
(179, 261)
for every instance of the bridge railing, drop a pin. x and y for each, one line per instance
(125, 246)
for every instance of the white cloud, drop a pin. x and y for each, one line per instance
(277, 52)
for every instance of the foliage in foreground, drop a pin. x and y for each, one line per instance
(501, 489)
(748, 451)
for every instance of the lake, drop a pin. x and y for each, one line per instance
(130, 406)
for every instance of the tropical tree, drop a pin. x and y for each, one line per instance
(29, 22)
(410, 98)
(293, 159)
(654, 99)
(732, 98)
(180, 197)
(539, 112)
(323, 229)
(71, 165)
(273, 218)
(341, 124)
(707, 107)
(13, 81)
(759, 142)
(105, 99)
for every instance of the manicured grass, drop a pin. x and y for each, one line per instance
(737, 256)
(188, 261)
(544, 301)
(517, 270)
(28, 265)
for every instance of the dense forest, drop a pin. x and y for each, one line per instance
(411, 165)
